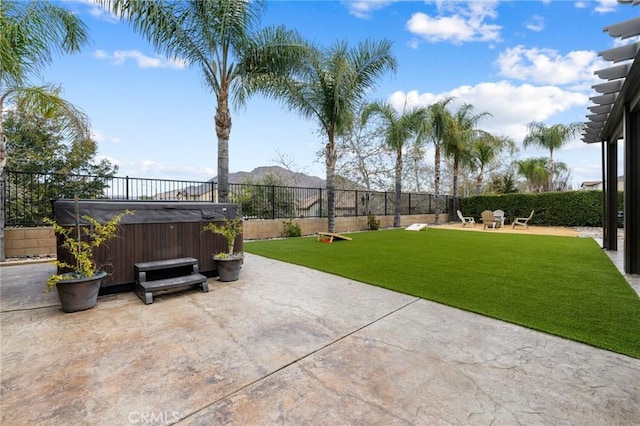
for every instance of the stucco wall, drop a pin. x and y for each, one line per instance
(22, 242)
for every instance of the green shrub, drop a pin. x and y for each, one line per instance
(374, 224)
(570, 208)
(290, 229)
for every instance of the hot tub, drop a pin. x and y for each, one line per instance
(157, 230)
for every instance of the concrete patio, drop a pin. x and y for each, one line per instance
(290, 345)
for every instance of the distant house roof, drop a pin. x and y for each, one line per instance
(194, 190)
(343, 200)
(597, 182)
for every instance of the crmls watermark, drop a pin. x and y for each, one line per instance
(142, 417)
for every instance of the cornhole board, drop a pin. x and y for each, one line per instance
(416, 227)
(332, 236)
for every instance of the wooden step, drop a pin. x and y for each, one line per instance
(167, 274)
(166, 264)
(168, 283)
(145, 289)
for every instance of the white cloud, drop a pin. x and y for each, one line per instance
(101, 54)
(457, 23)
(98, 12)
(365, 8)
(617, 42)
(413, 43)
(547, 66)
(157, 170)
(119, 57)
(601, 6)
(536, 23)
(99, 137)
(512, 107)
(605, 6)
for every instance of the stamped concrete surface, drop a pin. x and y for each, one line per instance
(289, 345)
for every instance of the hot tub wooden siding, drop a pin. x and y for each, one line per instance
(145, 242)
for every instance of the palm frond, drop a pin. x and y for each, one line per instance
(31, 34)
(45, 101)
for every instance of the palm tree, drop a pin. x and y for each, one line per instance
(458, 141)
(535, 172)
(484, 150)
(399, 128)
(551, 138)
(30, 35)
(220, 38)
(440, 123)
(328, 87)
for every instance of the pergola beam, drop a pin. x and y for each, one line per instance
(617, 115)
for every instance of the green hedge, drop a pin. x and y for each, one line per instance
(571, 208)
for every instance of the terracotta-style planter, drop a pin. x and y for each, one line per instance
(229, 267)
(79, 294)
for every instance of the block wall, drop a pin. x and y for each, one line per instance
(22, 242)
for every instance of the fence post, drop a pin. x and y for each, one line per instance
(409, 203)
(320, 198)
(126, 179)
(273, 202)
(356, 203)
(385, 203)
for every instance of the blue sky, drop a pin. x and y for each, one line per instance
(518, 60)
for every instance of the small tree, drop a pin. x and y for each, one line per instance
(230, 229)
(81, 242)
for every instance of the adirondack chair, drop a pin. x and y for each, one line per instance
(522, 221)
(466, 219)
(488, 219)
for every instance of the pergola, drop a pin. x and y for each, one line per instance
(615, 115)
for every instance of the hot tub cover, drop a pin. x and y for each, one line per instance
(144, 211)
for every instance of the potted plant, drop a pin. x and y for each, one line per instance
(78, 289)
(229, 262)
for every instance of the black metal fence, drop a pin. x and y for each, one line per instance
(28, 197)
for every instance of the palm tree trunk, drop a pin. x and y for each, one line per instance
(398, 196)
(3, 163)
(550, 172)
(437, 184)
(456, 166)
(223, 170)
(331, 186)
(3, 180)
(479, 183)
(223, 130)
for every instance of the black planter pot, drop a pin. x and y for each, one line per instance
(79, 294)
(229, 267)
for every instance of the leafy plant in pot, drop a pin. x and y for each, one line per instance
(229, 262)
(78, 289)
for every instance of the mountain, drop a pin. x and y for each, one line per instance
(265, 175)
(277, 175)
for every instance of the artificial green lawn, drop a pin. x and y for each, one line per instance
(561, 285)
